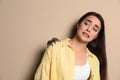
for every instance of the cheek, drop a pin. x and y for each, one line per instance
(81, 25)
(81, 28)
(94, 36)
(78, 29)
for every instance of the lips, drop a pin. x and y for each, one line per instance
(86, 35)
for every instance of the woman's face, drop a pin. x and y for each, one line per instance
(88, 29)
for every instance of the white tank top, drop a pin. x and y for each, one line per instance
(82, 72)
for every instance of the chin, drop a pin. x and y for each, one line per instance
(85, 40)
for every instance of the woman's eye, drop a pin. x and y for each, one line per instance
(95, 29)
(86, 23)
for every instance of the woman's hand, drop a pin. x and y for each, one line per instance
(53, 40)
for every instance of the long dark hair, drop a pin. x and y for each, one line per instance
(97, 46)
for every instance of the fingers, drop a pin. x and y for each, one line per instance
(49, 43)
(53, 40)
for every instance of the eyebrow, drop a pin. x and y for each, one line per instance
(91, 22)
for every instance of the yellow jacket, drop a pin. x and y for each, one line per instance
(58, 63)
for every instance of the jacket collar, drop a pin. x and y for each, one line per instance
(66, 41)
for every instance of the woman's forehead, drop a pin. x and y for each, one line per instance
(93, 20)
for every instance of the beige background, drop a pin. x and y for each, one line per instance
(26, 26)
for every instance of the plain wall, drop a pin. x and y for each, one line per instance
(27, 25)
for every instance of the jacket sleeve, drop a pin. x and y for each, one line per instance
(43, 71)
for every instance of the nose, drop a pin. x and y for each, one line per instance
(88, 29)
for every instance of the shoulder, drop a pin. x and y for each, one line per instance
(55, 50)
(55, 47)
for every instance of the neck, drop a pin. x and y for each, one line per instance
(77, 45)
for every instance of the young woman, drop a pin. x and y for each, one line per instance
(82, 57)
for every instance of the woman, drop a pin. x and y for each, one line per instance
(83, 57)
